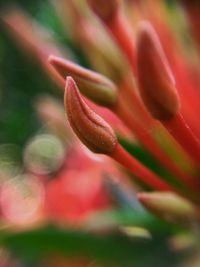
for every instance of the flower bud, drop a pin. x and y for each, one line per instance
(93, 85)
(169, 206)
(156, 83)
(104, 9)
(92, 130)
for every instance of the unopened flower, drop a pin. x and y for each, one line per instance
(145, 81)
(157, 86)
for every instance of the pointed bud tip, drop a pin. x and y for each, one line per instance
(156, 82)
(104, 9)
(59, 64)
(93, 85)
(51, 58)
(92, 130)
(168, 205)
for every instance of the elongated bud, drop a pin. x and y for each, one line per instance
(93, 85)
(135, 232)
(34, 39)
(156, 83)
(169, 206)
(104, 9)
(92, 130)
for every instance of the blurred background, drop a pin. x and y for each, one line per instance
(61, 205)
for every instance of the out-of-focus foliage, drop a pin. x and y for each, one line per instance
(22, 81)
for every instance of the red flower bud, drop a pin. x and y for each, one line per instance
(92, 130)
(156, 82)
(104, 9)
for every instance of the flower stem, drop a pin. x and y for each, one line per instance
(141, 172)
(121, 31)
(184, 135)
(146, 139)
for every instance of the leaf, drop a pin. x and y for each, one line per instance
(113, 248)
(150, 162)
(116, 218)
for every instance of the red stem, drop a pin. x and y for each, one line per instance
(187, 90)
(183, 134)
(122, 33)
(145, 138)
(193, 11)
(129, 94)
(141, 172)
(185, 83)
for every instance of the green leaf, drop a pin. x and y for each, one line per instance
(114, 248)
(142, 155)
(115, 218)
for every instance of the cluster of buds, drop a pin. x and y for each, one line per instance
(150, 96)
(145, 91)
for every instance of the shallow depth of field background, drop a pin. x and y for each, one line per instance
(23, 83)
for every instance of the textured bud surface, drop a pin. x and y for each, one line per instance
(92, 130)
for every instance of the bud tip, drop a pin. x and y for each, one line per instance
(92, 130)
